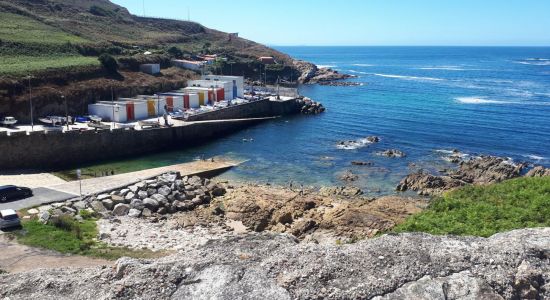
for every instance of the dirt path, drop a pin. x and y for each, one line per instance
(16, 258)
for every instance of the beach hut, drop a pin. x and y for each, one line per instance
(237, 84)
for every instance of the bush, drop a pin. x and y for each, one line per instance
(109, 63)
(486, 210)
(175, 52)
(100, 11)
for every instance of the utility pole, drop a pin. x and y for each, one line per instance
(66, 111)
(30, 103)
(113, 105)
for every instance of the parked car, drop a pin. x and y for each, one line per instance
(12, 192)
(8, 121)
(9, 219)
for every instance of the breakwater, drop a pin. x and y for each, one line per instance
(56, 150)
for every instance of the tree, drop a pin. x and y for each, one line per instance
(175, 52)
(109, 63)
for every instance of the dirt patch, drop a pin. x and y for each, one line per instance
(18, 258)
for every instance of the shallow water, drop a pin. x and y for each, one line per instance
(417, 99)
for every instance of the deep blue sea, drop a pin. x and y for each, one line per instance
(421, 100)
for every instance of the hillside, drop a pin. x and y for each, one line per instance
(58, 42)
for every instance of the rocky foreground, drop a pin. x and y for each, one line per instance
(514, 265)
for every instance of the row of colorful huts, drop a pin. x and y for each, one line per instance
(199, 93)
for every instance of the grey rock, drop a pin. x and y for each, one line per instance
(134, 213)
(151, 192)
(146, 213)
(123, 192)
(511, 265)
(108, 203)
(80, 205)
(164, 190)
(218, 191)
(129, 197)
(117, 199)
(44, 217)
(160, 198)
(134, 189)
(121, 209)
(142, 195)
(141, 185)
(151, 204)
(137, 204)
(103, 197)
(98, 207)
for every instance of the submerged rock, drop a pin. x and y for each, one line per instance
(393, 153)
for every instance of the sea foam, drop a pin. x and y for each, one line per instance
(409, 77)
(479, 100)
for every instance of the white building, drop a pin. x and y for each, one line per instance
(236, 81)
(225, 85)
(188, 64)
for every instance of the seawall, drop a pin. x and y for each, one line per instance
(257, 109)
(53, 151)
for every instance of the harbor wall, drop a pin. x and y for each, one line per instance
(56, 150)
(255, 109)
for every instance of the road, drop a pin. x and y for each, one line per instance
(41, 196)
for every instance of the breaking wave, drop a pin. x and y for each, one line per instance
(363, 65)
(479, 100)
(409, 77)
(352, 145)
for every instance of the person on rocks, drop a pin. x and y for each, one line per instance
(165, 115)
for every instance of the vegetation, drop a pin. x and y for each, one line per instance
(109, 63)
(486, 210)
(23, 65)
(65, 235)
(18, 28)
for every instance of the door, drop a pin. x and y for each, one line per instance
(186, 104)
(170, 103)
(151, 108)
(130, 111)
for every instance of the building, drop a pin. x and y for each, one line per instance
(267, 60)
(207, 96)
(152, 69)
(237, 83)
(121, 111)
(188, 64)
(225, 85)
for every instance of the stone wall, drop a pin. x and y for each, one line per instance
(58, 150)
(256, 109)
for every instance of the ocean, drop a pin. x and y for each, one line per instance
(425, 101)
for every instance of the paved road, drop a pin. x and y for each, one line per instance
(41, 196)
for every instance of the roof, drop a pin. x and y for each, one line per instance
(7, 212)
(6, 186)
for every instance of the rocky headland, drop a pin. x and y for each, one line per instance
(311, 74)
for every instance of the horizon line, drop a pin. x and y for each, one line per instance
(465, 46)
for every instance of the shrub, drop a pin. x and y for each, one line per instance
(175, 52)
(109, 63)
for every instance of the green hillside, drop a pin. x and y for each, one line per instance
(41, 35)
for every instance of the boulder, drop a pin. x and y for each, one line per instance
(164, 190)
(128, 198)
(117, 199)
(151, 204)
(121, 209)
(151, 192)
(349, 176)
(33, 211)
(123, 192)
(137, 204)
(146, 213)
(218, 191)
(142, 195)
(80, 205)
(538, 171)
(103, 197)
(134, 189)
(393, 153)
(134, 213)
(44, 217)
(108, 203)
(98, 207)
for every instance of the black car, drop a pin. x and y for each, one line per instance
(12, 192)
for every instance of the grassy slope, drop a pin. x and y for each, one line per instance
(78, 239)
(484, 211)
(58, 22)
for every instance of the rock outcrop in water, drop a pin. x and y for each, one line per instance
(514, 265)
(479, 170)
(538, 171)
(311, 74)
(393, 153)
(310, 107)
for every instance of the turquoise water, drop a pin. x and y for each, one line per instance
(421, 100)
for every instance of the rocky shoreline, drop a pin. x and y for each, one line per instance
(480, 170)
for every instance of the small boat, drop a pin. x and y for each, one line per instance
(178, 115)
(53, 120)
(152, 124)
(99, 126)
(125, 126)
(8, 121)
(86, 119)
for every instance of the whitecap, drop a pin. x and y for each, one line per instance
(479, 100)
(444, 68)
(538, 59)
(326, 66)
(408, 77)
(352, 145)
(358, 72)
(535, 157)
(534, 63)
(363, 65)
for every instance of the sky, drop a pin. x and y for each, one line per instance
(366, 22)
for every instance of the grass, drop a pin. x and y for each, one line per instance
(71, 237)
(22, 65)
(22, 29)
(486, 210)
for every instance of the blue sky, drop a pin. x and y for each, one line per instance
(366, 22)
